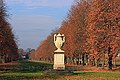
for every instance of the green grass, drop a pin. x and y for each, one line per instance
(76, 76)
(27, 66)
(22, 74)
(26, 76)
(99, 74)
(26, 70)
(36, 71)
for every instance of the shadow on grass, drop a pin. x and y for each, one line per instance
(26, 66)
(26, 70)
(83, 73)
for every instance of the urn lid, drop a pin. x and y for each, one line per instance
(59, 35)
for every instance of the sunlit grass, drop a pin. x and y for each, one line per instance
(99, 74)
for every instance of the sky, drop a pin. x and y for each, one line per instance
(33, 20)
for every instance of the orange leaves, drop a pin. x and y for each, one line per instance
(7, 43)
(102, 25)
(90, 27)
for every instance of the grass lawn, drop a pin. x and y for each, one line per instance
(96, 76)
(36, 71)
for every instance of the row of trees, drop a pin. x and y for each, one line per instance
(92, 30)
(8, 47)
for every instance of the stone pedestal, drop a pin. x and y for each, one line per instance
(59, 61)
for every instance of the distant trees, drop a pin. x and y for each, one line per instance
(25, 54)
(8, 47)
(92, 30)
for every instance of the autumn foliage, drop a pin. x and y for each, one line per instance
(92, 30)
(8, 47)
(103, 28)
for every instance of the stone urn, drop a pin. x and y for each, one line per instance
(59, 40)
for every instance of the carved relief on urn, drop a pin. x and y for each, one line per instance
(59, 40)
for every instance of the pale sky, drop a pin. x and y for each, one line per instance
(33, 20)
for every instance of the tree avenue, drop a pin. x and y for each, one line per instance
(92, 30)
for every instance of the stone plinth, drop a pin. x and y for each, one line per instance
(59, 60)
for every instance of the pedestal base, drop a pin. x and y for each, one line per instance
(59, 66)
(59, 61)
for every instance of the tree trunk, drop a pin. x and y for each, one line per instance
(110, 63)
(71, 60)
(2, 59)
(80, 61)
(88, 63)
(109, 58)
(83, 62)
(93, 61)
(96, 62)
(114, 61)
(86, 59)
(67, 60)
(103, 61)
(75, 61)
